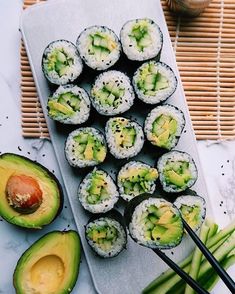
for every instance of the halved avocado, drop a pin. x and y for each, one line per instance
(50, 265)
(51, 196)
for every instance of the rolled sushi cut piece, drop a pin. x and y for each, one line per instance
(177, 171)
(69, 105)
(136, 178)
(106, 234)
(97, 192)
(154, 82)
(61, 62)
(99, 47)
(85, 147)
(112, 93)
(164, 125)
(192, 209)
(154, 222)
(125, 138)
(141, 39)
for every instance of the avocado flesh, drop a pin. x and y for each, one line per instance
(97, 190)
(89, 148)
(52, 198)
(123, 132)
(150, 80)
(140, 35)
(50, 265)
(162, 224)
(58, 60)
(192, 215)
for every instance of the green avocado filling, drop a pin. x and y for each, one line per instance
(109, 95)
(124, 133)
(163, 131)
(66, 104)
(192, 214)
(97, 190)
(161, 224)
(88, 147)
(104, 236)
(150, 80)
(177, 173)
(58, 60)
(138, 180)
(140, 35)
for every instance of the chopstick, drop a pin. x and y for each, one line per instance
(211, 259)
(189, 280)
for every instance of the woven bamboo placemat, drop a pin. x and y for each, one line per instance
(205, 54)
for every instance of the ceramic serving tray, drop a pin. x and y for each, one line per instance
(43, 23)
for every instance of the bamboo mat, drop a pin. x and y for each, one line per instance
(205, 54)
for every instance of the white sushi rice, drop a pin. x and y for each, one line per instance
(74, 70)
(124, 152)
(80, 115)
(83, 44)
(160, 95)
(168, 110)
(129, 45)
(120, 79)
(174, 156)
(104, 205)
(120, 242)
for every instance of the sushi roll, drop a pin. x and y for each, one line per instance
(97, 192)
(154, 222)
(192, 209)
(164, 125)
(69, 105)
(85, 147)
(125, 138)
(106, 234)
(136, 178)
(61, 63)
(99, 47)
(154, 82)
(177, 171)
(112, 93)
(141, 39)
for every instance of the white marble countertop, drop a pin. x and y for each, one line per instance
(218, 161)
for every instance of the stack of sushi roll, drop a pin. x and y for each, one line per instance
(99, 47)
(106, 234)
(112, 93)
(97, 192)
(125, 138)
(85, 147)
(164, 125)
(177, 171)
(61, 63)
(69, 105)
(136, 178)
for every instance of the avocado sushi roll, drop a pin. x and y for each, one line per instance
(177, 171)
(97, 192)
(85, 147)
(112, 93)
(154, 222)
(164, 125)
(69, 105)
(136, 178)
(154, 82)
(192, 209)
(61, 63)
(99, 47)
(125, 138)
(106, 234)
(141, 39)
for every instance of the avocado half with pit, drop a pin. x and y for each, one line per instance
(50, 265)
(30, 195)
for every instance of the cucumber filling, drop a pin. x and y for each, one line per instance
(58, 60)
(88, 147)
(150, 80)
(192, 214)
(97, 190)
(140, 35)
(124, 133)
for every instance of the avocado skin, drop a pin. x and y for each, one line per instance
(50, 174)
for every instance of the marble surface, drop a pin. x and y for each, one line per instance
(218, 162)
